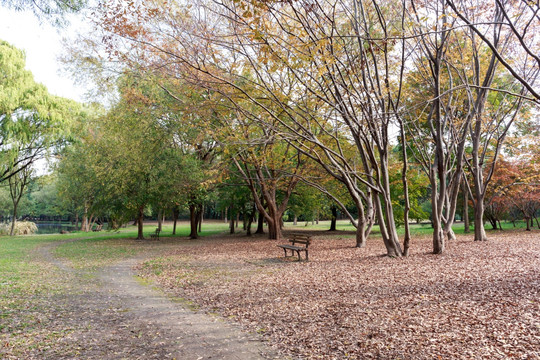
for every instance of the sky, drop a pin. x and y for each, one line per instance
(42, 44)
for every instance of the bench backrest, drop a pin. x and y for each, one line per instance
(300, 239)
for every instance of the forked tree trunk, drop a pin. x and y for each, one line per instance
(361, 234)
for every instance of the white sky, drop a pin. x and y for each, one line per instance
(42, 44)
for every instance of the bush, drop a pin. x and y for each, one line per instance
(21, 228)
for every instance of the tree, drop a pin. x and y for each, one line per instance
(52, 10)
(18, 183)
(519, 22)
(32, 121)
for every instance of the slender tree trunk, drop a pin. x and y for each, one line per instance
(438, 231)
(527, 224)
(231, 223)
(200, 218)
(175, 218)
(193, 221)
(225, 217)
(467, 228)
(251, 215)
(237, 219)
(407, 238)
(295, 220)
(333, 221)
(84, 223)
(14, 220)
(140, 219)
(160, 219)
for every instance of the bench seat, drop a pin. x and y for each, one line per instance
(297, 239)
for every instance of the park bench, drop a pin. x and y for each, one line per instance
(155, 235)
(294, 239)
(98, 228)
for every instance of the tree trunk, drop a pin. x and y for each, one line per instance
(436, 204)
(176, 212)
(467, 228)
(295, 220)
(250, 216)
(479, 231)
(200, 218)
(274, 229)
(361, 234)
(527, 224)
(193, 221)
(333, 220)
(140, 219)
(260, 224)
(231, 224)
(237, 219)
(84, 223)
(388, 231)
(160, 219)
(14, 220)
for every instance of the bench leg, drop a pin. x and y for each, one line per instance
(298, 252)
(285, 251)
(307, 255)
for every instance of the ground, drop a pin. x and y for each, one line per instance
(224, 294)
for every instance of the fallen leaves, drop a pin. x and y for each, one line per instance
(479, 300)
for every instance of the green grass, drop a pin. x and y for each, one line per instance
(416, 229)
(103, 248)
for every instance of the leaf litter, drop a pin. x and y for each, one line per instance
(480, 300)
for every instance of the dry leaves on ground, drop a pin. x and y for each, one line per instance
(479, 300)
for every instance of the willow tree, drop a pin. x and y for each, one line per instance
(32, 121)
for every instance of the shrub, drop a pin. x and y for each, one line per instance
(21, 228)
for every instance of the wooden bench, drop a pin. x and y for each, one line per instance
(155, 235)
(297, 239)
(98, 228)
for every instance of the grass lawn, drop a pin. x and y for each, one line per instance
(416, 229)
